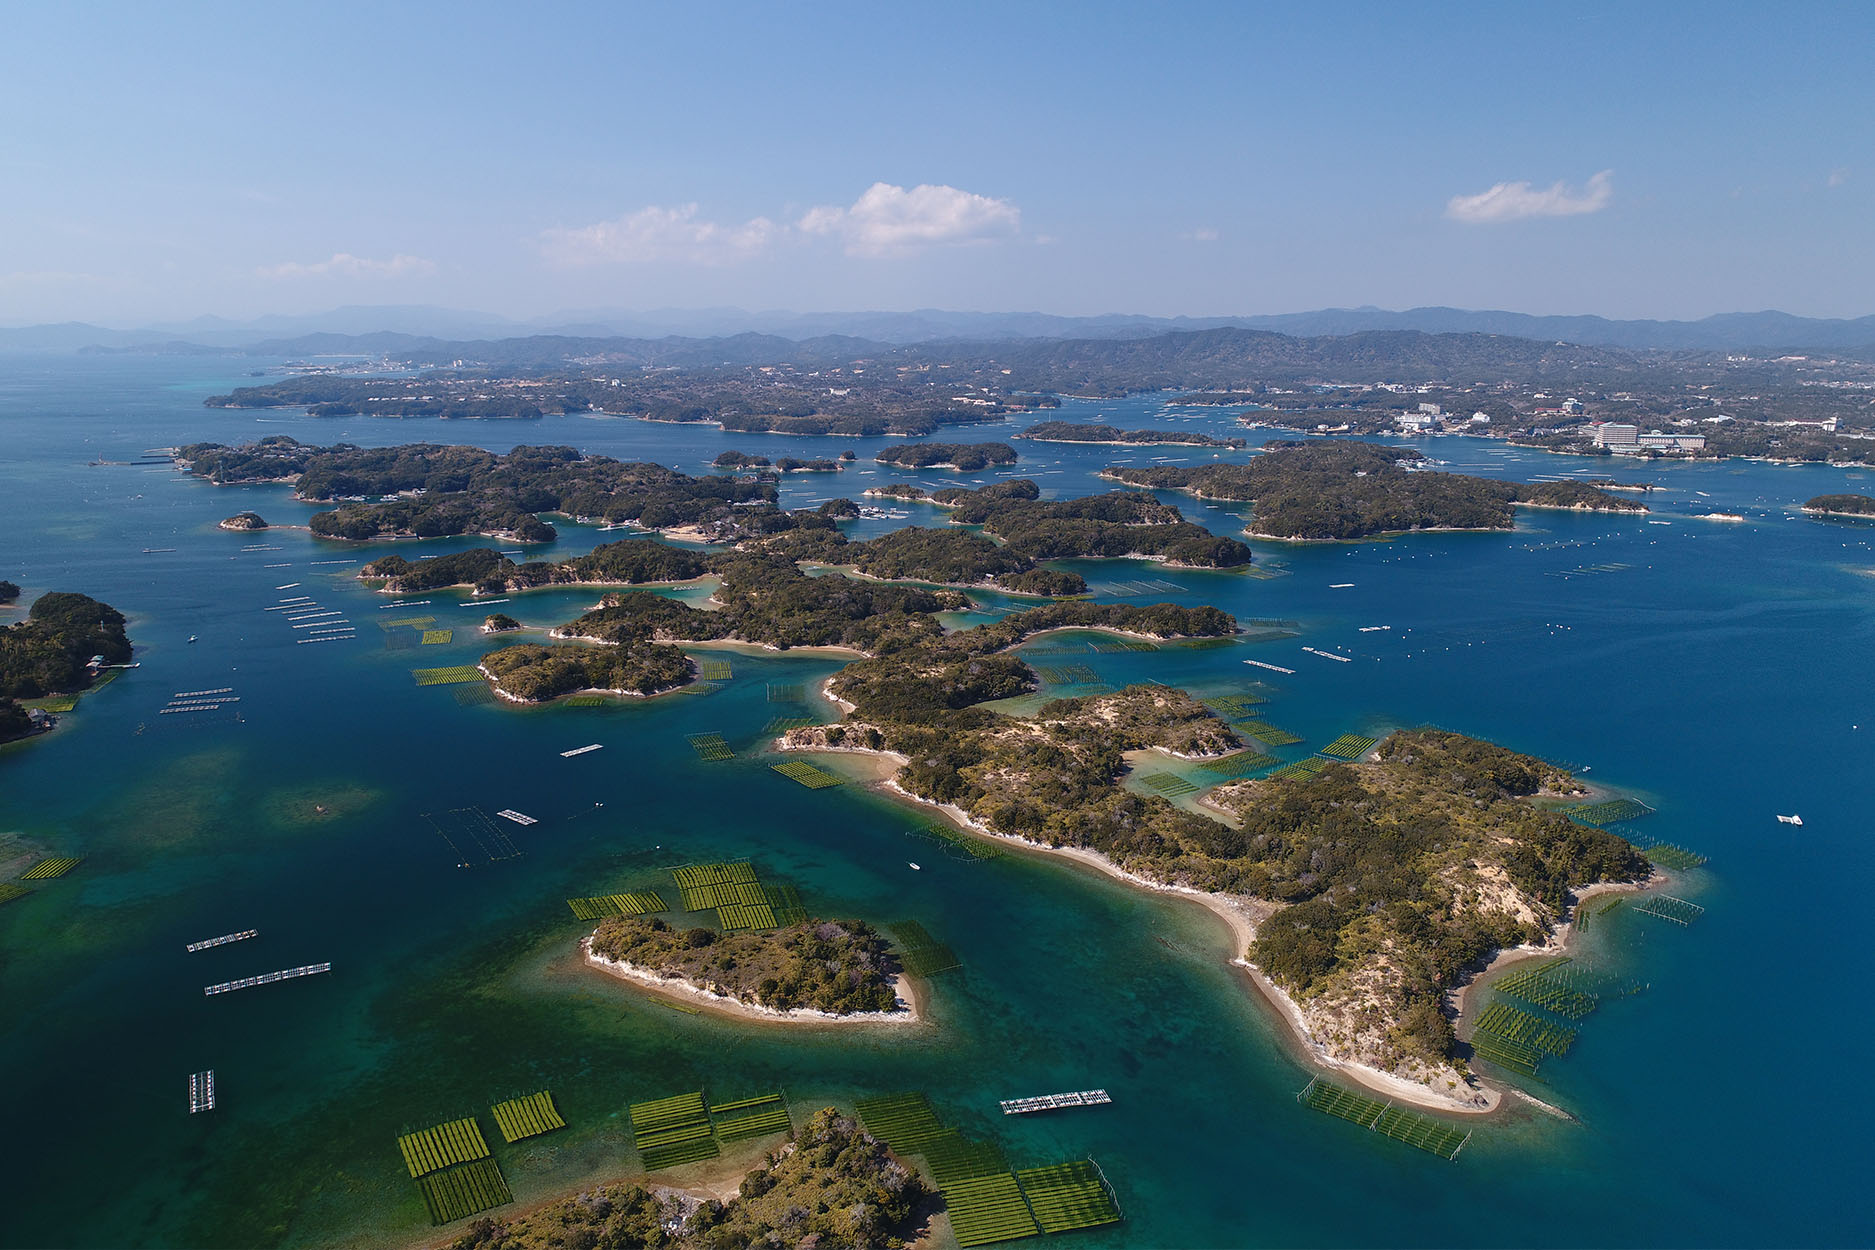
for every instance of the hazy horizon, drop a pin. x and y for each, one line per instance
(1202, 161)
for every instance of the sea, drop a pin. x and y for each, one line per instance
(1722, 673)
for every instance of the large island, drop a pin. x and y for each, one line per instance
(59, 649)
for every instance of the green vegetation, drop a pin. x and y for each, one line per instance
(244, 521)
(9, 891)
(463, 1191)
(836, 1189)
(49, 653)
(438, 637)
(955, 558)
(905, 1122)
(1078, 432)
(1514, 1024)
(918, 952)
(961, 846)
(840, 967)
(1269, 735)
(531, 1116)
(534, 674)
(628, 562)
(669, 1132)
(499, 623)
(740, 460)
(9, 592)
(1676, 858)
(968, 457)
(1420, 1131)
(1355, 490)
(750, 1117)
(1171, 785)
(1119, 524)
(1842, 505)
(805, 773)
(1300, 768)
(431, 1149)
(1241, 764)
(47, 869)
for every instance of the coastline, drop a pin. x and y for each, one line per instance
(692, 994)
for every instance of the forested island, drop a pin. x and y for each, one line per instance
(787, 464)
(1078, 432)
(1841, 505)
(50, 653)
(1114, 525)
(967, 457)
(244, 522)
(1342, 490)
(634, 666)
(831, 1187)
(839, 968)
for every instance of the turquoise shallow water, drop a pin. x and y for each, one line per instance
(1724, 674)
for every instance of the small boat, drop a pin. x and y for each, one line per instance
(1790, 820)
(191, 637)
(914, 867)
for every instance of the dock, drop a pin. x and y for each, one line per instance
(517, 817)
(266, 978)
(567, 755)
(1054, 1102)
(223, 940)
(201, 1091)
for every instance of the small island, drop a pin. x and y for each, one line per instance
(1119, 525)
(500, 623)
(1841, 505)
(244, 522)
(965, 457)
(1113, 436)
(740, 460)
(1347, 490)
(897, 490)
(530, 673)
(59, 649)
(833, 1186)
(9, 593)
(819, 968)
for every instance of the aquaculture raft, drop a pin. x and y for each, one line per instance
(1067, 1196)
(1667, 907)
(47, 869)
(751, 1117)
(1349, 747)
(1422, 1132)
(450, 676)
(1608, 812)
(201, 1091)
(1054, 1102)
(710, 747)
(433, 1149)
(805, 773)
(673, 1131)
(223, 940)
(531, 1116)
(638, 903)
(268, 978)
(458, 1192)
(921, 954)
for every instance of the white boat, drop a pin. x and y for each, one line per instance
(1790, 820)
(191, 637)
(914, 867)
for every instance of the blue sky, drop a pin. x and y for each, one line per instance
(1651, 160)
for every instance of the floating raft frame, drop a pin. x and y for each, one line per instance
(710, 748)
(201, 1091)
(223, 940)
(459, 1192)
(636, 903)
(266, 978)
(520, 1118)
(1422, 1132)
(1667, 907)
(47, 869)
(807, 775)
(1055, 1102)
(921, 954)
(443, 1145)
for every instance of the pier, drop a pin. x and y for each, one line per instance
(223, 940)
(266, 978)
(1054, 1102)
(201, 1091)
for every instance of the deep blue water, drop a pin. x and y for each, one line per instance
(1723, 674)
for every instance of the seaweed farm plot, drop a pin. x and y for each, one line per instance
(1240, 764)
(805, 773)
(1349, 747)
(697, 877)
(905, 1122)
(1552, 986)
(1112, 646)
(745, 917)
(432, 1149)
(1068, 675)
(1268, 735)
(710, 747)
(714, 670)
(782, 724)
(1678, 858)
(1667, 907)
(479, 693)
(637, 903)
(920, 953)
(531, 1116)
(1171, 785)
(751, 1117)
(9, 891)
(47, 869)
(958, 846)
(1231, 706)
(954, 1157)
(1301, 768)
(783, 692)
(672, 1131)
(462, 1191)
(470, 833)
(437, 637)
(1514, 1024)
(1608, 812)
(1067, 1196)
(785, 901)
(1419, 1131)
(987, 1209)
(454, 675)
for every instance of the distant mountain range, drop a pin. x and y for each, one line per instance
(404, 328)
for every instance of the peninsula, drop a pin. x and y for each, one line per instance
(1078, 432)
(57, 650)
(1841, 505)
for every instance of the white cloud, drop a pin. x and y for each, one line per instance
(1203, 234)
(1838, 176)
(654, 233)
(1514, 201)
(889, 220)
(345, 265)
